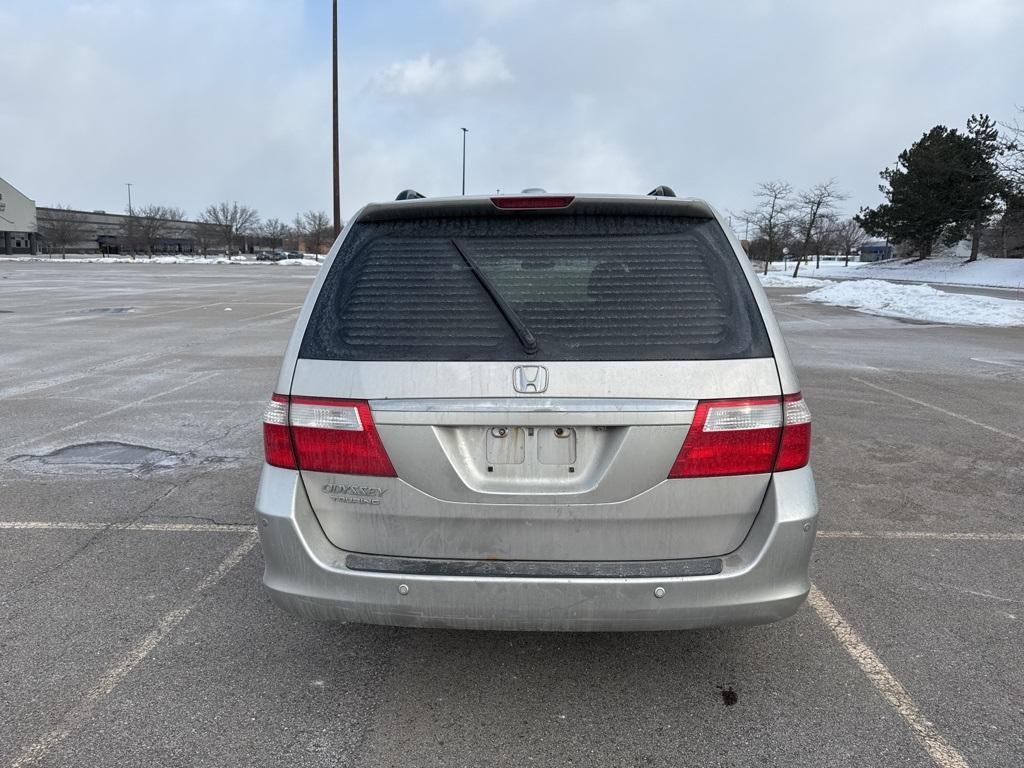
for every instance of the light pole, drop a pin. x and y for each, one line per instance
(334, 114)
(464, 132)
(129, 185)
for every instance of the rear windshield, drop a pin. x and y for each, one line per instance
(583, 288)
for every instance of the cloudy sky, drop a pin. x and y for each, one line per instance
(197, 101)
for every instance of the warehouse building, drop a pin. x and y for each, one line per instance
(28, 229)
(63, 230)
(18, 225)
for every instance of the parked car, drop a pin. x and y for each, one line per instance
(537, 412)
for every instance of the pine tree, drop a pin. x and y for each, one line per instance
(938, 186)
(983, 185)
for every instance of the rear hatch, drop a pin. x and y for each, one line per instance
(519, 383)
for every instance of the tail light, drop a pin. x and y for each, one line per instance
(324, 435)
(795, 446)
(745, 437)
(277, 443)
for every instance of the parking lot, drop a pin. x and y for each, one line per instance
(134, 630)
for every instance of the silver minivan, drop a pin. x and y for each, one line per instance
(537, 412)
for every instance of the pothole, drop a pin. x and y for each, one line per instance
(111, 456)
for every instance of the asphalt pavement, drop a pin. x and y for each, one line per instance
(134, 630)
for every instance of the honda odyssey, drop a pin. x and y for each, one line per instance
(537, 412)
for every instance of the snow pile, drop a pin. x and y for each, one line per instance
(985, 272)
(776, 280)
(919, 302)
(86, 259)
(192, 260)
(298, 263)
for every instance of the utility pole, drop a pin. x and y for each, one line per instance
(334, 114)
(464, 132)
(129, 185)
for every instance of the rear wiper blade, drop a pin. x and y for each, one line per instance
(526, 337)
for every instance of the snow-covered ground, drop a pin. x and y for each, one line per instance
(780, 280)
(308, 260)
(304, 262)
(985, 272)
(919, 302)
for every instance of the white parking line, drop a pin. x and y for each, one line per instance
(997, 362)
(290, 308)
(931, 535)
(135, 656)
(943, 754)
(791, 313)
(954, 414)
(31, 525)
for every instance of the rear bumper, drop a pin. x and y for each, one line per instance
(764, 580)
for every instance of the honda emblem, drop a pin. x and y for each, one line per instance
(530, 379)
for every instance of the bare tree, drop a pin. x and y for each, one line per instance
(150, 224)
(770, 215)
(825, 238)
(202, 235)
(849, 237)
(1004, 238)
(273, 232)
(298, 230)
(63, 227)
(1011, 156)
(233, 221)
(317, 224)
(814, 206)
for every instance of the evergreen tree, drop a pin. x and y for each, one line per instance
(982, 185)
(937, 186)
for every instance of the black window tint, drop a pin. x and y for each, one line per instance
(588, 287)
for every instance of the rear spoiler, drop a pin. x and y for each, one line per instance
(445, 207)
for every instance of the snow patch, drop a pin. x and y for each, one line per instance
(985, 272)
(297, 263)
(775, 280)
(86, 259)
(920, 302)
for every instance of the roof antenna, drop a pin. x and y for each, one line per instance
(409, 194)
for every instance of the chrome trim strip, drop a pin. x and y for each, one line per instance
(533, 405)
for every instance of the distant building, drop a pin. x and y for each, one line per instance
(17, 221)
(113, 233)
(876, 250)
(28, 229)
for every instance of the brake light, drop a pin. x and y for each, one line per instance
(326, 435)
(745, 437)
(540, 201)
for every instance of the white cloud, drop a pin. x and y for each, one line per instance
(479, 66)
(204, 100)
(413, 76)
